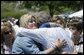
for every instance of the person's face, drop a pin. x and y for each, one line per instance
(67, 20)
(32, 24)
(74, 31)
(58, 21)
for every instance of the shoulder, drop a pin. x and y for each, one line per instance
(21, 39)
(46, 23)
(22, 43)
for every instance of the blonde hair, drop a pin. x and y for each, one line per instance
(53, 19)
(25, 19)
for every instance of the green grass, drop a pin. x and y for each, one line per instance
(12, 14)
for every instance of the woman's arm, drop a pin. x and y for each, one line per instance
(58, 45)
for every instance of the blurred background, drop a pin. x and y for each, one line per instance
(17, 8)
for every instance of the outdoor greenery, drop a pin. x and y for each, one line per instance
(12, 8)
(12, 14)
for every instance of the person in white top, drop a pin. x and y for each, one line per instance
(47, 36)
(8, 36)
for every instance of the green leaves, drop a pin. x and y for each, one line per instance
(52, 7)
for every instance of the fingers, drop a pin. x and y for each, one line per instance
(64, 43)
(63, 40)
(58, 39)
(61, 43)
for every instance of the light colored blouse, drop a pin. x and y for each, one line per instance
(48, 36)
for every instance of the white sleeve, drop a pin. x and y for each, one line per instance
(17, 29)
(70, 33)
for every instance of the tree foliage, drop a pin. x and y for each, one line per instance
(60, 6)
(52, 7)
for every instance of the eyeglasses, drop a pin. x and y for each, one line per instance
(8, 32)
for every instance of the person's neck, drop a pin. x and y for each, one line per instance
(76, 39)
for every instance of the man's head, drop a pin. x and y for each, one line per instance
(58, 20)
(76, 28)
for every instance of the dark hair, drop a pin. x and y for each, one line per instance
(17, 23)
(77, 25)
(55, 19)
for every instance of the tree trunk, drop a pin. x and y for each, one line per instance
(51, 10)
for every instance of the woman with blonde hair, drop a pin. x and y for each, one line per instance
(28, 21)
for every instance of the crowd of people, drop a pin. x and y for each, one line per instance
(57, 36)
